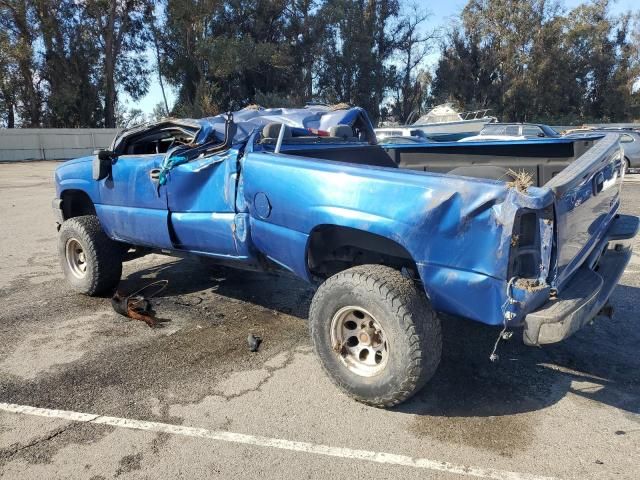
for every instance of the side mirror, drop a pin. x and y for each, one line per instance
(102, 164)
(541, 135)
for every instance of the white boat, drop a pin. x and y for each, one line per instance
(444, 123)
(399, 131)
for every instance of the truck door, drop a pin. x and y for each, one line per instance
(201, 196)
(132, 208)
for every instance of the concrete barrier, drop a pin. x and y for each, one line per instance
(20, 144)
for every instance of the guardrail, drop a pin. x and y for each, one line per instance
(23, 144)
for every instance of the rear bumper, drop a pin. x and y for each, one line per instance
(587, 292)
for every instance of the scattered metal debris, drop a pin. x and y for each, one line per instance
(136, 305)
(254, 342)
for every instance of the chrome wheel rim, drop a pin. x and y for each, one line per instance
(359, 341)
(76, 258)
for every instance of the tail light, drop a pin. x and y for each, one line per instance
(531, 243)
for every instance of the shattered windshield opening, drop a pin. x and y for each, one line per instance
(155, 139)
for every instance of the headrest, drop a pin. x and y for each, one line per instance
(272, 130)
(341, 131)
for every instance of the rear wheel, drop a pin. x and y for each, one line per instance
(375, 334)
(91, 261)
(627, 165)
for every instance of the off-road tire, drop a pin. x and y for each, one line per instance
(103, 256)
(410, 325)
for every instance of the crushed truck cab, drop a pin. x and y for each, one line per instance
(520, 234)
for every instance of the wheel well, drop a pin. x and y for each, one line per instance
(76, 203)
(332, 249)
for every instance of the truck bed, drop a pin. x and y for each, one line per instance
(542, 158)
(467, 236)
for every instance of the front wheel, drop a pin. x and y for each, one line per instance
(375, 334)
(91, 261)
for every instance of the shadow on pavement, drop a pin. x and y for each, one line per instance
(599, 363)
(283, 292)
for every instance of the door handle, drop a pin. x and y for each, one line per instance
(154, 173)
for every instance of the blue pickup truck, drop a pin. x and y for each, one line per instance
(511, 234)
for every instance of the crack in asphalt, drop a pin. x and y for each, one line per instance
(261, 383)
(7, 454)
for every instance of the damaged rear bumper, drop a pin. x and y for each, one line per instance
(587, 292)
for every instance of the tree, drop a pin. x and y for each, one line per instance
(68, 62)
(412, 45)
(120, 29)
(129, 118)
(305, 27)
(158, 113)
(70, 65)
(356, 47)
(607, 60)
(467, 73)
(17, 21)
(64, 61)
(8, 80)
(529, 60)
(156, 37)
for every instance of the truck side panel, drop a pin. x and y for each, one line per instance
(457, 230)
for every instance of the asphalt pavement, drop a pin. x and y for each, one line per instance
(88, 394)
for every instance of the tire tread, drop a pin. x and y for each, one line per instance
(104, 253)
(417, 319)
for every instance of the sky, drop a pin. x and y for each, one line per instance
(442, 14)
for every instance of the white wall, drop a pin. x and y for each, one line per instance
(17, 144)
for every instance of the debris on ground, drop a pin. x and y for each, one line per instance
(530, 284)
(522, 180)
(254, 342)
(188, 301)
(136, 305)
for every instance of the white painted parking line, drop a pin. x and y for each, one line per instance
(258, 441)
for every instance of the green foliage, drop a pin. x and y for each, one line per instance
(531, 61)
(64, 62)
(159, 112)
(69, 62)
(290, 51)
(220, 54)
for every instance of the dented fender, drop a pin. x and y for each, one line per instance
(457, 230)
